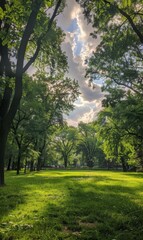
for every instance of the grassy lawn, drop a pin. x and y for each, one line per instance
(86, 205)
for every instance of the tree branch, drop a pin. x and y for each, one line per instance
(130, 20)
(129, 87)
(26, 36)
(32, 59)
(20, 60)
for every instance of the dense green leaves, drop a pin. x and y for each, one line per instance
(45, 99)
(117, 60)
(118, 57)
(29, 36)
(64, 142)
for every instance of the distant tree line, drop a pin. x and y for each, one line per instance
(96, 145)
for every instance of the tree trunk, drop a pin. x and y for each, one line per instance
(13, 165)
(4, 130)
(39, 163)
(10, 106)
(3, 139)
(9, 162)
(18, 161)
(124, 165)
(25, 166)
(31, 166)
(65, 161)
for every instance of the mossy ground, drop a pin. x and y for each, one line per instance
(84, 205)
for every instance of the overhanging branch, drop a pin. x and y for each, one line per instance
(130, 20)
(32, 59)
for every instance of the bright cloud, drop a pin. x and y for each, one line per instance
(78, 46)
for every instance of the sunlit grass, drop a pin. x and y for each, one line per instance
(72, 205)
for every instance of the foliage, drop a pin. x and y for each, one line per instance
(120, 130)
(64, 141)
(118, 57)
(45, 99)
(88, 145)
(117, 61)
(30, 36)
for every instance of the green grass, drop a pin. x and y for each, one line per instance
(85, 205)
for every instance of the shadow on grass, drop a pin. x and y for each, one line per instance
(86, 210)
(104, 213)
(135, 174)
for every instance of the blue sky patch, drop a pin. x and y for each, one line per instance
(73, 26)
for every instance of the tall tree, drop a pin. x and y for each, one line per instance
(25, 27)
(119, 128)
(118, 62)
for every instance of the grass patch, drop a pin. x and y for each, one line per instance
(56, 205)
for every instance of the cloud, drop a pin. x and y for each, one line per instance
(78, 46)
(84, 112)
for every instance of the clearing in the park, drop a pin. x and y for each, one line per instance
(59, 204)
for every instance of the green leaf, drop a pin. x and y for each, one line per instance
(1, 13)
(126, 3)
(48, 3)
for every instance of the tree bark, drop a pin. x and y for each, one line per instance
(3, 140)
(39, 163)
(65, 161)
(31, 165)
(13, 165)
(18, 161)
(9, 162)
(124, 165)
(25, 167)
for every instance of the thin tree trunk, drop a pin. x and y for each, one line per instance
(39, 163)
(13, 165)
(3, 139)
(25, 166)
(9, 162)
(31, 166)
(18, 161)
(124, 165)
(65, 161)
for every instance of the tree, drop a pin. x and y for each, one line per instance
(11, 152)
(118, 62)
(130, 121)
(87, 143)
(118, 58)
(64, 142)
(22, 46)
(120, 133)
(44, 100)
(60, 93)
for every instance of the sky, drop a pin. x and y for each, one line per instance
(78, 46)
